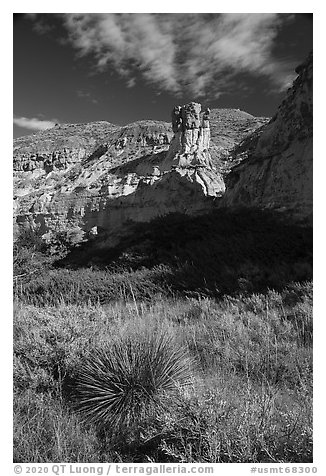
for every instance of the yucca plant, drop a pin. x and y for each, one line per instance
(126, 380)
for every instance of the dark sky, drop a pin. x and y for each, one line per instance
(121, 68)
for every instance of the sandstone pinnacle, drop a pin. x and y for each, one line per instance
(190, 144)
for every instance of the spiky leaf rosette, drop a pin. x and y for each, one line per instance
(127, 379)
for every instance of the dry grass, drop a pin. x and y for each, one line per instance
(250, 399)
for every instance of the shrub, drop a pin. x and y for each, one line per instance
(28, 255)
(238, 422)
(61, 242)
(124, 382)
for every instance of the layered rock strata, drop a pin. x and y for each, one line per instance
(117, 183)
(66, 145)
(60, 147)
(191, 141)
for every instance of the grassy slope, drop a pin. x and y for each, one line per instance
(251, 395)
(210, 281)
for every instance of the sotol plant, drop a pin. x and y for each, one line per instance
(122, 383)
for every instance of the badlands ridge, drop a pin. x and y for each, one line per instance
(99, 177)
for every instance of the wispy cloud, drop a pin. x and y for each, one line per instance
(41, 26)
(131, 82)
(81, 93)
(34, 123)
(182, 53)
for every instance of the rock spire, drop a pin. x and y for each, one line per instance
(190, 144)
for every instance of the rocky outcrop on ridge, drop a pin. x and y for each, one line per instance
(99, 175)
(191, 140)
(59, 147)
(277, 169)
(68, 144)
(129, 177)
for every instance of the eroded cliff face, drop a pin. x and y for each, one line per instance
(60, 147)
(277, 170)
(103, 176)
(139, 172)
(66, 145)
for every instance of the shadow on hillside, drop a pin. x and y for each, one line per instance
(152, 159)
(221, 252)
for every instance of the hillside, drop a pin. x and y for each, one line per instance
(101, 175)
(66, 144)
(229, 127)
(276, 166)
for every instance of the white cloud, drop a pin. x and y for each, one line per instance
(33, 123)
(40, 25)
(131, 83)
(192, 53)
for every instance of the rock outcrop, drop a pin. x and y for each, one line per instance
(65, 145)
(190, 144)
(134, 173)
(69, 144)
(277, 170)
(99, 176)
(60, 147)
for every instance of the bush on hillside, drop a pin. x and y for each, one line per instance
(28, 254)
